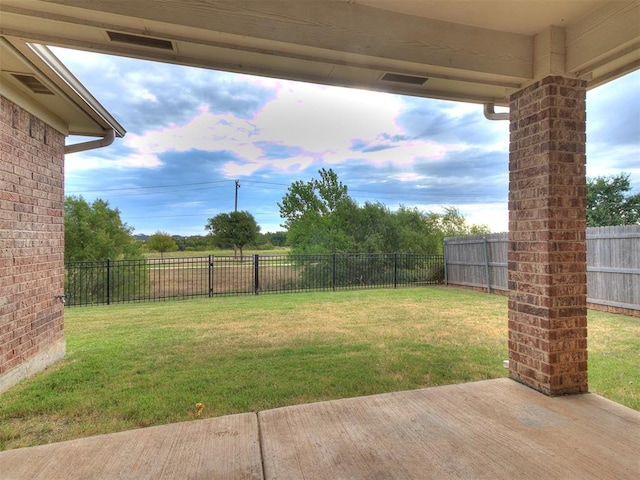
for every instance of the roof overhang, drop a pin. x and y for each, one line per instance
(478, 51)
(33, 78)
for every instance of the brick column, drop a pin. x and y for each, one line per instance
(31, 244)
(547, 237)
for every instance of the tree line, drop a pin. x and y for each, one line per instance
(319, 217)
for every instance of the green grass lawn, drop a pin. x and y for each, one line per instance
(136, 365)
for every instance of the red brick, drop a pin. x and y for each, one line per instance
(31, 171)
(547, 247)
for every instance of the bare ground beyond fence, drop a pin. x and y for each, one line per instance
(88, 283)
(192, 277)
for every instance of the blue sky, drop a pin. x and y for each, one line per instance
(193, 132)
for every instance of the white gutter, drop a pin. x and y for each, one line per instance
(490, 113)
(109, 137)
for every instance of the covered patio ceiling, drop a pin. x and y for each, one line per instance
(477, 51)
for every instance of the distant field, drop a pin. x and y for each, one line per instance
(228, 278)
(221, 253)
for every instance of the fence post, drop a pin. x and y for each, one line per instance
(108, 281)
(333, 273)
(210, 276)
(256, 273)
(395, 270)
(444, 260)
(486, 263)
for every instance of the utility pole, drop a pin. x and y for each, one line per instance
(235, 248)
(237, 187)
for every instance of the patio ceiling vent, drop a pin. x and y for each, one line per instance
(140, 41)
(32, 83)
(404, 79)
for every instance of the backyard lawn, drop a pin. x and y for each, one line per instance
(136, 365)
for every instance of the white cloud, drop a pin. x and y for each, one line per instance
(409, 177)
(235, 169)
(75, 163)
(138, 160)
(327, 118)
(145, 94)
(321, 122)
(291, 165)
(206, 131)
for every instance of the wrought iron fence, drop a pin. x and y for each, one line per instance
(117, 281)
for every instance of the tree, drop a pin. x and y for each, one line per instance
(192, 243)
(315, 198)
(322, 218)
(235, 228)
(277, 239)
(162, 242)
(95, 232)
(417, 234)
(452, 223)
(608, 203)
(309, 208)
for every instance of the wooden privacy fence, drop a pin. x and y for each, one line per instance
(613, 264)
(477, 261)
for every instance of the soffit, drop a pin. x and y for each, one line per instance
(478, 51)
(516, 16)
(32, 77)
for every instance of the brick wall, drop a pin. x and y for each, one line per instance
(547, 237)
(31, 244)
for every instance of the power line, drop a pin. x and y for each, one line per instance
(170, 216)
(237, 184)
(152, 186)
(162, 192)
(390, 192)
(267, 183)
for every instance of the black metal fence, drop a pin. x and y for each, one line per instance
(117, 281)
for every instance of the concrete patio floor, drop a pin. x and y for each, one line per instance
(494, 429)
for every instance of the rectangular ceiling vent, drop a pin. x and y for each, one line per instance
(404, 79)
(140, 41)
(32, 83)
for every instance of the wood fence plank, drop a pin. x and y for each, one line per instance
(613, 264)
